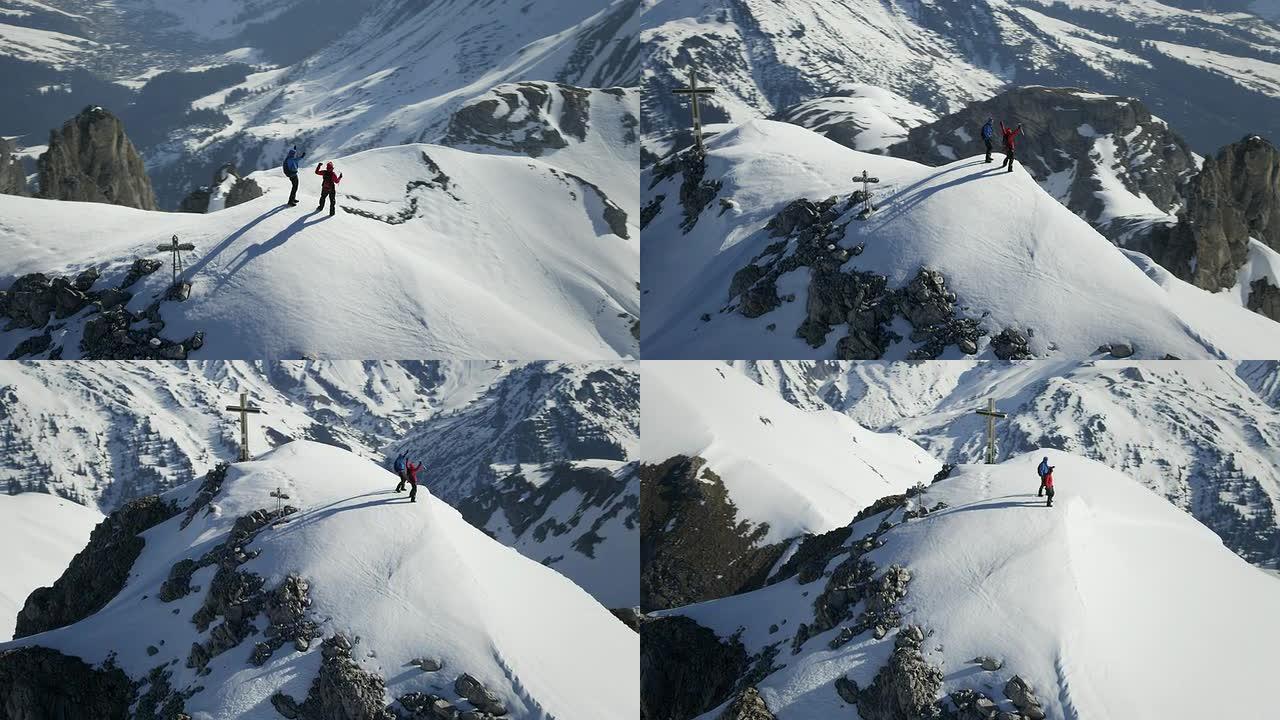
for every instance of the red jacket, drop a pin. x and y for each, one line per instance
(1009, 134)
(411, 472)
(1048, 479)
(331, 178)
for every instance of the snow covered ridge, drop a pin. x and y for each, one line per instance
(434, 252)
(732, 476)
(243, 604)
(765, 58)
(1202, 434)
(975, 595)
(50, 531)
(758, 250)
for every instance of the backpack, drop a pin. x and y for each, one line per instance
(988, 131)
(399, 464)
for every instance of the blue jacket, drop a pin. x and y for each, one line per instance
(988, 132)
(291, 162)
(1044, 467)
(399, 464)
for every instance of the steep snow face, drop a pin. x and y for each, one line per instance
(540, 413)
(1012, 255)
(1061, 596)
(578, 517)
(860, 116)
(408, 580)
(44, 532)
(764, 57)
(434, 252)
(103, 433)
(1201, 434)
(800, 472)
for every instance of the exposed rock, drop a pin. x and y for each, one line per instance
(1264, 298)
(748, 705)
(988, 663)
(695, 192)
(13, 179)
(1011, 344)
(341, 690)
(90, 159)
(98, 572)
(685, 670)
(522, 117)
(693, 545)
(477, 694)
(630, 616)
(140, 269)
(37, 683)
(1023, 697)
(906, 688)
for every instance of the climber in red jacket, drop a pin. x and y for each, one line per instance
(329, 187)
(411, 474)
(1048, 486)
(1009, 135)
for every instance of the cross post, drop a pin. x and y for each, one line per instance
(991, 415)
(176, 249)
(694, 91)
(867, 181)
(244, 408)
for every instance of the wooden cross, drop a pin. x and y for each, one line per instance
(991, 415)
(867, 181)
(694, 91)
(176, 261)
(244, 408)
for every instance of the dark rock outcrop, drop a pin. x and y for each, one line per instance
(905, 688)
(685, 670)
(341, 691)
(241, 191)
(693, 546)
(748, 705)
(13, 179)
(97, 573)
(37, 683)
(695, 192)
(90, 159)
(1062, 126)
(1234, 197)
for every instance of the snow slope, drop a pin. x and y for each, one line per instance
(408, 580)
(1110, 604)
(801, 472)
(46, 532)
(1202, 434)
(1014, 256)
(435, 252)
(863, 117)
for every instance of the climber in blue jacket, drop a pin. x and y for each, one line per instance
(988, 132)
(1043, 470)
(291, 171)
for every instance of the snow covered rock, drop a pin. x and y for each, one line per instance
(1109, 564)
(362, 569)
(13, 178)
(51, 530)
(862, 117)
(90, 159)
(1103, 156)
(829, 289)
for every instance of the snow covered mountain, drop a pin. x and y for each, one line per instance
(221, 599)
(50, 531)
(434, 252)
(762, 249)
(536, 454)
(975, 598)
(1203, 435)
(732, 474)
(1209, 69)
(207, 83)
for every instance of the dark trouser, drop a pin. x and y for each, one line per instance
(403, 480)
(1049, 490)
(293, 194)
(1008, 159)
(987, 141)
(332, 195)
(413, 491)
(1041, 490)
